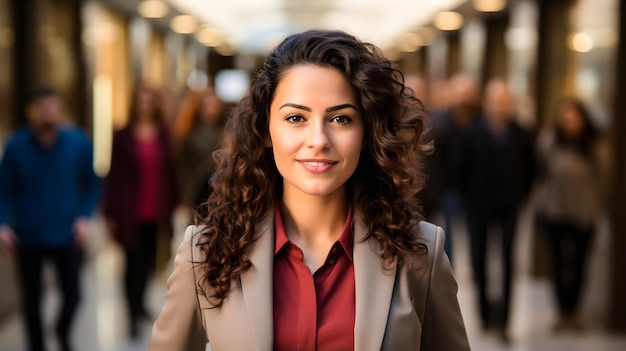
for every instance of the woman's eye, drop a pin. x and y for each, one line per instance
(341, 119)
(294, 118)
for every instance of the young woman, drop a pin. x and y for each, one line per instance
(200, 125)
(140, 195)
(313, 238)
(575, 161)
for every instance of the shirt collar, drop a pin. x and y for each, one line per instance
(281, 235)
(345, 240)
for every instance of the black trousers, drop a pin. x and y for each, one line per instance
(140, 263)
(478, 225)
(569, 248)
(67, 263)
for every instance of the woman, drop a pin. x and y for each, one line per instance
(139, 195)
(313, 237)
(200, 125)
(575, 165)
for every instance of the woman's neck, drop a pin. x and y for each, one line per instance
(314, 223)
(145, 129)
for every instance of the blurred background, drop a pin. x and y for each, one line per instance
(95, 51)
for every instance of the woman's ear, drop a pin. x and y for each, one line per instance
(268, 141)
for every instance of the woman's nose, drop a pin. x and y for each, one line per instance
(318, 136)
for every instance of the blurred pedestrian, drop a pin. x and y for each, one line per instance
(140, 195)
(313, 239)
(575, 164)
(201, 123)
(48, 190)
(500, 170)
(450, 128)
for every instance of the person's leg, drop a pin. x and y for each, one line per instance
(508, 224)
(557, 238)
(580, 239)
(146, 264)
(477, 228)
(140, 262)
(450, 207)
(30, 263)
(131, 287)
(68, 262)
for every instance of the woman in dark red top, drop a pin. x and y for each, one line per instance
(313, 238)
(139, 195)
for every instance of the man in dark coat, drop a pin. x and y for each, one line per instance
(499, 166)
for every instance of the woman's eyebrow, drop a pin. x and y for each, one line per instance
(330, 109)
(340, 107)
(300, 107)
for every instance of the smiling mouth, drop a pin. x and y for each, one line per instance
(317, 164)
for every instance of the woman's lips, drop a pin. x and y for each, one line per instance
(317, 166)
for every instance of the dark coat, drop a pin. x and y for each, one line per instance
(444, 167)
(499, 169)
(121, 187)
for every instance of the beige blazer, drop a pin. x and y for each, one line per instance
(396, 308)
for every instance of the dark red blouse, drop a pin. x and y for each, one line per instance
(313, 311)
(150, 183)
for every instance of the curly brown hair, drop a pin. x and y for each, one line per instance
(382, 189)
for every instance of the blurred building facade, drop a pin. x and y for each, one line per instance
(93, 51)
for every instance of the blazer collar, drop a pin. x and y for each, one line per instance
(373, 287)
(373, 290)
(257, 287)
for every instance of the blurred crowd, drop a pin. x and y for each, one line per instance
(485, 167)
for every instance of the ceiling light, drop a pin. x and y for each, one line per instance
(184, 24)
(152, 9)
(489, 5)
(209, 36)
(581, 42)
(225, 50)
(448, 20)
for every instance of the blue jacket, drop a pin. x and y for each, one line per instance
(44, 189)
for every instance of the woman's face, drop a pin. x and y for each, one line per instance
(211, 106)
(316, 130)
(145, 103)
(570, 121)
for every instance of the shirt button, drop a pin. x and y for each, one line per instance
(331, 261)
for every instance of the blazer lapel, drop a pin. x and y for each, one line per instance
(373, 290)
(257, 287)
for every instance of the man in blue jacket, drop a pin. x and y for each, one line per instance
(48, 190)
